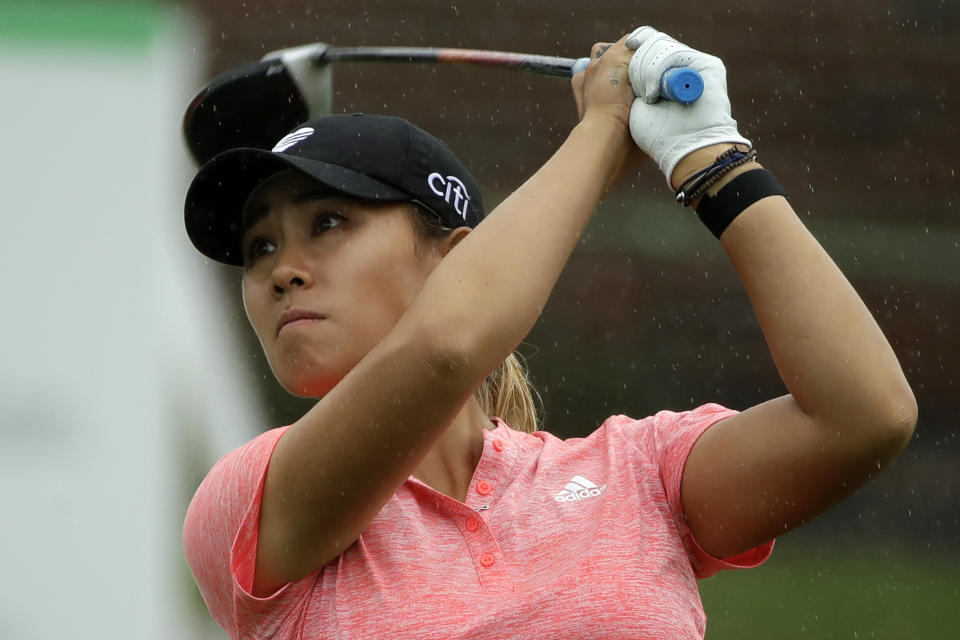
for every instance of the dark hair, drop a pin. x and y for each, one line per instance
(426, 225)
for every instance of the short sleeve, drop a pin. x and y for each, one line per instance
(668, 437)
(220, 543)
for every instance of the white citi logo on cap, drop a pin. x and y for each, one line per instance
(291, 139)
(452, 190)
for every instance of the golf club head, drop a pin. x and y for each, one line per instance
(255, 105)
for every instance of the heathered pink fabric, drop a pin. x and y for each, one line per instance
(612, 561)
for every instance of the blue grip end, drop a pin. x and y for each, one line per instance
(681, 84)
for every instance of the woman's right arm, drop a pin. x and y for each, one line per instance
(338, 465)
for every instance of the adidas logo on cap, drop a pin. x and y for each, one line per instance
(579, 488)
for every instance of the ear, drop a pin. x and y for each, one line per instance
(453, 239)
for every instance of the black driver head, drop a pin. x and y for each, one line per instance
(253, 106)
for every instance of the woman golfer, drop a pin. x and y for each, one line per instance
(415, 500)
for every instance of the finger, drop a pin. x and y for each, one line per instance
(616, 52)
(639, 36)
(657, 53)
(599, 49)
(576, 83)
(616, 59)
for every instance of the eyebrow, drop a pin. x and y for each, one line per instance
(300, 197)
(253, 213)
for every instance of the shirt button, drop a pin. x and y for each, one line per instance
(472, 524)
(483, 487)
(486, 559)
(498, 444)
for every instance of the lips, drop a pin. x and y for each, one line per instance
(293, 315)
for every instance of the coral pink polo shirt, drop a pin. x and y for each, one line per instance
(575, 539)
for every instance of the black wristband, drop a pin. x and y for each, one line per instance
(717, 212)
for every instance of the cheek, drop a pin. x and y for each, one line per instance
(255, 308)
(394, 285)
(386, 272)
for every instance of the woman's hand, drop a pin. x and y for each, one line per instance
(603, 90)
(669, 131)
(604, 86)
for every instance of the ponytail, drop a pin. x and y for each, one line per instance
(508, 394)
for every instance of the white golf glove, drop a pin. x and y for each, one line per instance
(667, 131)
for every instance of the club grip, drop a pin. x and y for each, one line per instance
(680, 84)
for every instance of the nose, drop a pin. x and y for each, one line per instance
(291, 269)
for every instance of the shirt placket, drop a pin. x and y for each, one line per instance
(487, 557)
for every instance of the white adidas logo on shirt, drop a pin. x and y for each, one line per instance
(579, 488)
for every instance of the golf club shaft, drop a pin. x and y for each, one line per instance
(685, 87)
(542, 65)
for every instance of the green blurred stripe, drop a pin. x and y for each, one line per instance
(911, 252)
(96, 23)
(654, 227)
(816, 589)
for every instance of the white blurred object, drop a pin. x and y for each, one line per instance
(115, 356)
(315, 81)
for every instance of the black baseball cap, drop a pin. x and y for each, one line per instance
(375, 157)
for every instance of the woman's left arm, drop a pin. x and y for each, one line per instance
(849, 412)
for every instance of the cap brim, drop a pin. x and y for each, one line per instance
(217, 195)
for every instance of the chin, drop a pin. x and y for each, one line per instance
(309, 390)
(307, 379)
(308, 384)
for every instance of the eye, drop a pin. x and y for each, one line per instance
(326, 221)
(257, 248)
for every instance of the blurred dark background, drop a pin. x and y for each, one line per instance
(853, 105)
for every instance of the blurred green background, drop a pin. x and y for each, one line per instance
(815, 589)
(853, 105)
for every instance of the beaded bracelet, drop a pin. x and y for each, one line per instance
(697, 184)
(713, 178)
